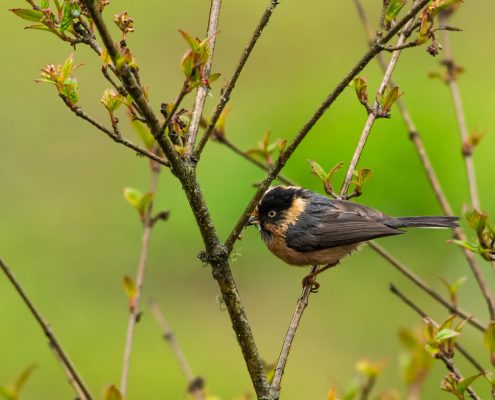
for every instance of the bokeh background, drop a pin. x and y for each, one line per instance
(70, 237)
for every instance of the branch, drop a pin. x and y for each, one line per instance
(195, 383)
(375, 110)
(134, 316)
(431, 175)
(406, 300)
(117, 138)
(284, 157)
(225, 96)
(202, 91)
(75, 379)
(459, 111)
(422, 285)
(301, 305)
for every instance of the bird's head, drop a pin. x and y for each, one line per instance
(279, 208)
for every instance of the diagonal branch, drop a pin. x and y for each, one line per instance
(284, 156)
(75, 379)
(375, 111)
(225, 96)
(301, 305)
(202, 91)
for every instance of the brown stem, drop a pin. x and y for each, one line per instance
(422, 285)
(367, 388)
(143, 258)
(195, 383)
(449, 364)
(431, 174)
(202, 91)
(375, 110)
(301, 305)
(117, 138)
(225, 95)
(75, 379)
(283, 158)
(459, 112)
(406, 300)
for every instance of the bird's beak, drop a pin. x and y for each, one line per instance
(254, 218)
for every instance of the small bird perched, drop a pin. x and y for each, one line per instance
(302, 227)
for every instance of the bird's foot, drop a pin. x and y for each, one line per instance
(310, 280)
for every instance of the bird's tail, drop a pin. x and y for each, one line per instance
(428, 222)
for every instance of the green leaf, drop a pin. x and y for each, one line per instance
(466, 382)
(393, 10)
(317, 170)
(133, 196)
(388, 98)
(489, 341)
(66, 16)
(143, 132)
(112, 100)
(112, 393)
(130, 290)
(28, 14)
(193, 44)
(213, 77)
(360, 85)
(39, 27)
(445, 334)
(44, 4)
(187, 64)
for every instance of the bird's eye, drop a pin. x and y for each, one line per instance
(271, 213)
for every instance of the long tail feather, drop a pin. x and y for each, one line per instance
(428, 222)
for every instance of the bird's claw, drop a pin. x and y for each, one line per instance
(310, 280)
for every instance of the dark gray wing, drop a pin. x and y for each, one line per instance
(329, 223)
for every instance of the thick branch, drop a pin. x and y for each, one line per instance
(195, 383)
(202, 91)
(74, 378)
(143, 258)
(225, 96)
(301, 305)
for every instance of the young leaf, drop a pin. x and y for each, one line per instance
(133, 196)
(317, 170)
(112, 393)
(28, 14)
(131, 291)
(445, 334)
(393, 10)
(67, 16)
(489, 341)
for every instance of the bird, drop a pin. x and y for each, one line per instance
(305, 228)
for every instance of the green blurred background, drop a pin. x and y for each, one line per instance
(70, 237)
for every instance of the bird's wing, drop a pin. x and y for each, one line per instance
(326, 224)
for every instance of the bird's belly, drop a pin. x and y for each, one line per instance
(319, 257)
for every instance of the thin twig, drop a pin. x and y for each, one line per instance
(225, 95)
(406, 300)
(75, 379)
(449, 364)
(375, 111)
(202, 91)
(422, 285)
(143, 258)
(227, 143)
(284, 156)
(367, 388)
(431, 174)
(459, 112)
(195, 383)
(117, 138)
(301, 305)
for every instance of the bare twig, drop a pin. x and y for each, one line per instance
(301, 305)
(284, 156)
(422, 285)
(202, 91)
(195, 383)
(375, 111)
(75, 379)
(406, 300)
(459, 112)
(367, 388)
(134, 308)
(117, 138)
(225, 96)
